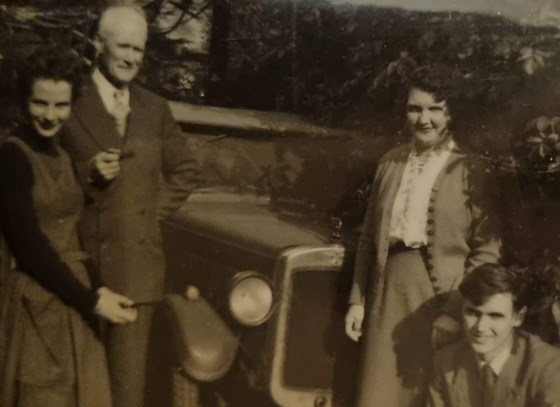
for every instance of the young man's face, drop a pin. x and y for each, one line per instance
(489, 326)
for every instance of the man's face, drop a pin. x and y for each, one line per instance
(489, 326)
(427, 119)
(121, 50)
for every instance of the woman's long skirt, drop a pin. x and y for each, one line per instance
(397, 355)
(50, 356)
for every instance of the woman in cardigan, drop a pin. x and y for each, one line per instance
(428, 223)
(50, 351)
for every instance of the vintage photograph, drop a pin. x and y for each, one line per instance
(279, 203)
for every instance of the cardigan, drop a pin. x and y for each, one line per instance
(463, 225)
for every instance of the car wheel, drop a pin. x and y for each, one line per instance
(185, 391)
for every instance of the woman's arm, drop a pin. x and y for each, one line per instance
(34, 254)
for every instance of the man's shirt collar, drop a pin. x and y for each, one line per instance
(497, 364)
(107, 90)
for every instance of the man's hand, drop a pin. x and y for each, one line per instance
(444, 331)
(114, 307)
(105, 165)
(354, 320)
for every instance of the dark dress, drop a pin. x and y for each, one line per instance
(50, 354)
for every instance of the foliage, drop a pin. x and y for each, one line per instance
(25, 25)
(345, 65)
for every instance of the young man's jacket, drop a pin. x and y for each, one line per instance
(529, 378)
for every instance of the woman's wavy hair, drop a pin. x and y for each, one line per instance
(49, 62)
(436, 79)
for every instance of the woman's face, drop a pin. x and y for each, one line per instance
(427, 119)
(49, 106)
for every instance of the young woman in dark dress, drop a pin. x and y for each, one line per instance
(50, 350)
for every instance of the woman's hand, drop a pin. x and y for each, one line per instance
(444, 331)
(114, 307)
(354, 320)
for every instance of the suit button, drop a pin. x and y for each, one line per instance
(430, 266)
(433, 279)
(432, 199)
(430, 221)
(430, 232)
(435, 189)
(437, 289)
(430, 208)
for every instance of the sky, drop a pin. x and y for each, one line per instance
(521, 10)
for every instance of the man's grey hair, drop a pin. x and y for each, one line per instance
(112, 15)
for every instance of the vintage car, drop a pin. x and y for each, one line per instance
(260, 261)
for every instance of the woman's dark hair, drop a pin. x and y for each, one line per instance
(49, 62)
(435, 79)
(490, 279)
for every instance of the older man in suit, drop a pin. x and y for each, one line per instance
(136, 167)
(496, 364)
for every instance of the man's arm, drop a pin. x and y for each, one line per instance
(180, 167)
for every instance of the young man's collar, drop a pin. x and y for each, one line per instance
(497, 364)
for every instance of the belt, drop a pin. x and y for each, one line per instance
(399, 247)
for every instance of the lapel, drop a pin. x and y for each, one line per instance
(507, 385)
(389, 181)
(91, 112)
(454, 159)
(466, 388)
(137, 120)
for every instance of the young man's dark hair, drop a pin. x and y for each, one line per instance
(490, 279)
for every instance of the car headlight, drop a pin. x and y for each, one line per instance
(250, 298)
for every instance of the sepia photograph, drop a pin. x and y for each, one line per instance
(210, 203)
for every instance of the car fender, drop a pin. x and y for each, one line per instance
(205, 347)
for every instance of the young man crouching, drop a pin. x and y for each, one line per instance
(496, 364)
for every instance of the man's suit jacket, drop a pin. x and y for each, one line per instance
(530, 377)
(120, 227)
(461, 214)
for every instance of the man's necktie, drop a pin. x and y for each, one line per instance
(120, 111)
(488, 385)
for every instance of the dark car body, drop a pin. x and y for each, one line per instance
(276, 253)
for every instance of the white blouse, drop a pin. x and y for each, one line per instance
(410, 209)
